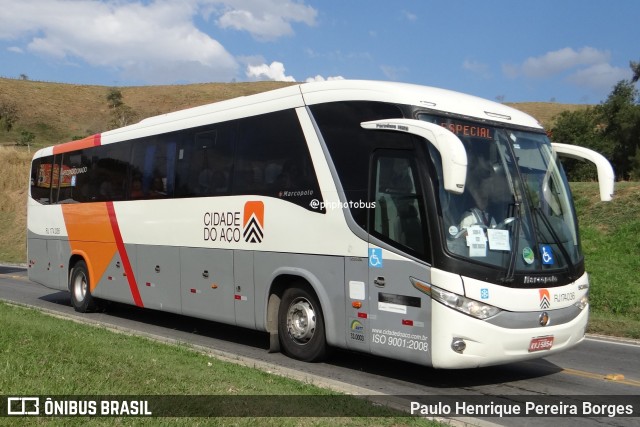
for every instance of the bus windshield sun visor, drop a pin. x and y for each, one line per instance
(452, 152)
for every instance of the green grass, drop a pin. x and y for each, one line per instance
(12, 247)
(609, 233)
(47, 356)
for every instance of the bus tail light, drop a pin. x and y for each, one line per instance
(464, 305)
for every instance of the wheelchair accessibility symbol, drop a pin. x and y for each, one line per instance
(547, 255)
(375, 257)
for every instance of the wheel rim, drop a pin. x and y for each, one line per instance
(301, 321)
(80, 287)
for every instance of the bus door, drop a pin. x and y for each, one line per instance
(399, 248)
(398, 313)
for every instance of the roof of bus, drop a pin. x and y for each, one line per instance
(319, 92)
(424, 96)
(365, 90)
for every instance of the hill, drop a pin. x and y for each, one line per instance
(58, 112)
(545, 112)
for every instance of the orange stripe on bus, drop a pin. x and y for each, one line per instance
(90, 233)
(90, 141)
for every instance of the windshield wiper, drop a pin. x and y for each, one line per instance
(511, 269)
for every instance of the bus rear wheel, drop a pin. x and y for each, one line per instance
(80, 289)
(301, 325)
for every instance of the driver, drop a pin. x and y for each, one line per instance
(480, 189)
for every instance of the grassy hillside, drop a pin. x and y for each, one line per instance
(57, 112)
(609, 232)
(13, 204)
(545, 112)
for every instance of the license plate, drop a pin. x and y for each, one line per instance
(541, 343)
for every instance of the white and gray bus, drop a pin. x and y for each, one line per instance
(399, 220)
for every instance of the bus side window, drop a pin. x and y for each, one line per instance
(272, 159)
(350, 145)
(41, 170)
(55, 179)
(152, 169)
(399, 211)
(73, 175)
(204, 159)
(214, 158)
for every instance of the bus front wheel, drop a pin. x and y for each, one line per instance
(81, 298)
(301, 325)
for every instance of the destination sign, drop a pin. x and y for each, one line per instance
(462, 129)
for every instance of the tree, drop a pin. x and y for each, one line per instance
(611, 128)
(26, 138)
(8, 114)
(580, 128)
(114, 98)
(635, 67)
(620, 118)
(121, 114)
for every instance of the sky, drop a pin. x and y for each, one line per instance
(567, 51)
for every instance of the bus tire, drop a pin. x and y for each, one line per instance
(80, 288)
(301, 325)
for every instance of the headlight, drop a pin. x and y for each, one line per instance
(583, 302)
(464, 305)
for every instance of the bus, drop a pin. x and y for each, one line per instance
(328, 215)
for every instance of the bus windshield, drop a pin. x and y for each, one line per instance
(516, 211)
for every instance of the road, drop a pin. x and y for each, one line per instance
(597, 367)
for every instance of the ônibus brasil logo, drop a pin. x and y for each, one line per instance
(253, 222)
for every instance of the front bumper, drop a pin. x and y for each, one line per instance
(488, 344)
